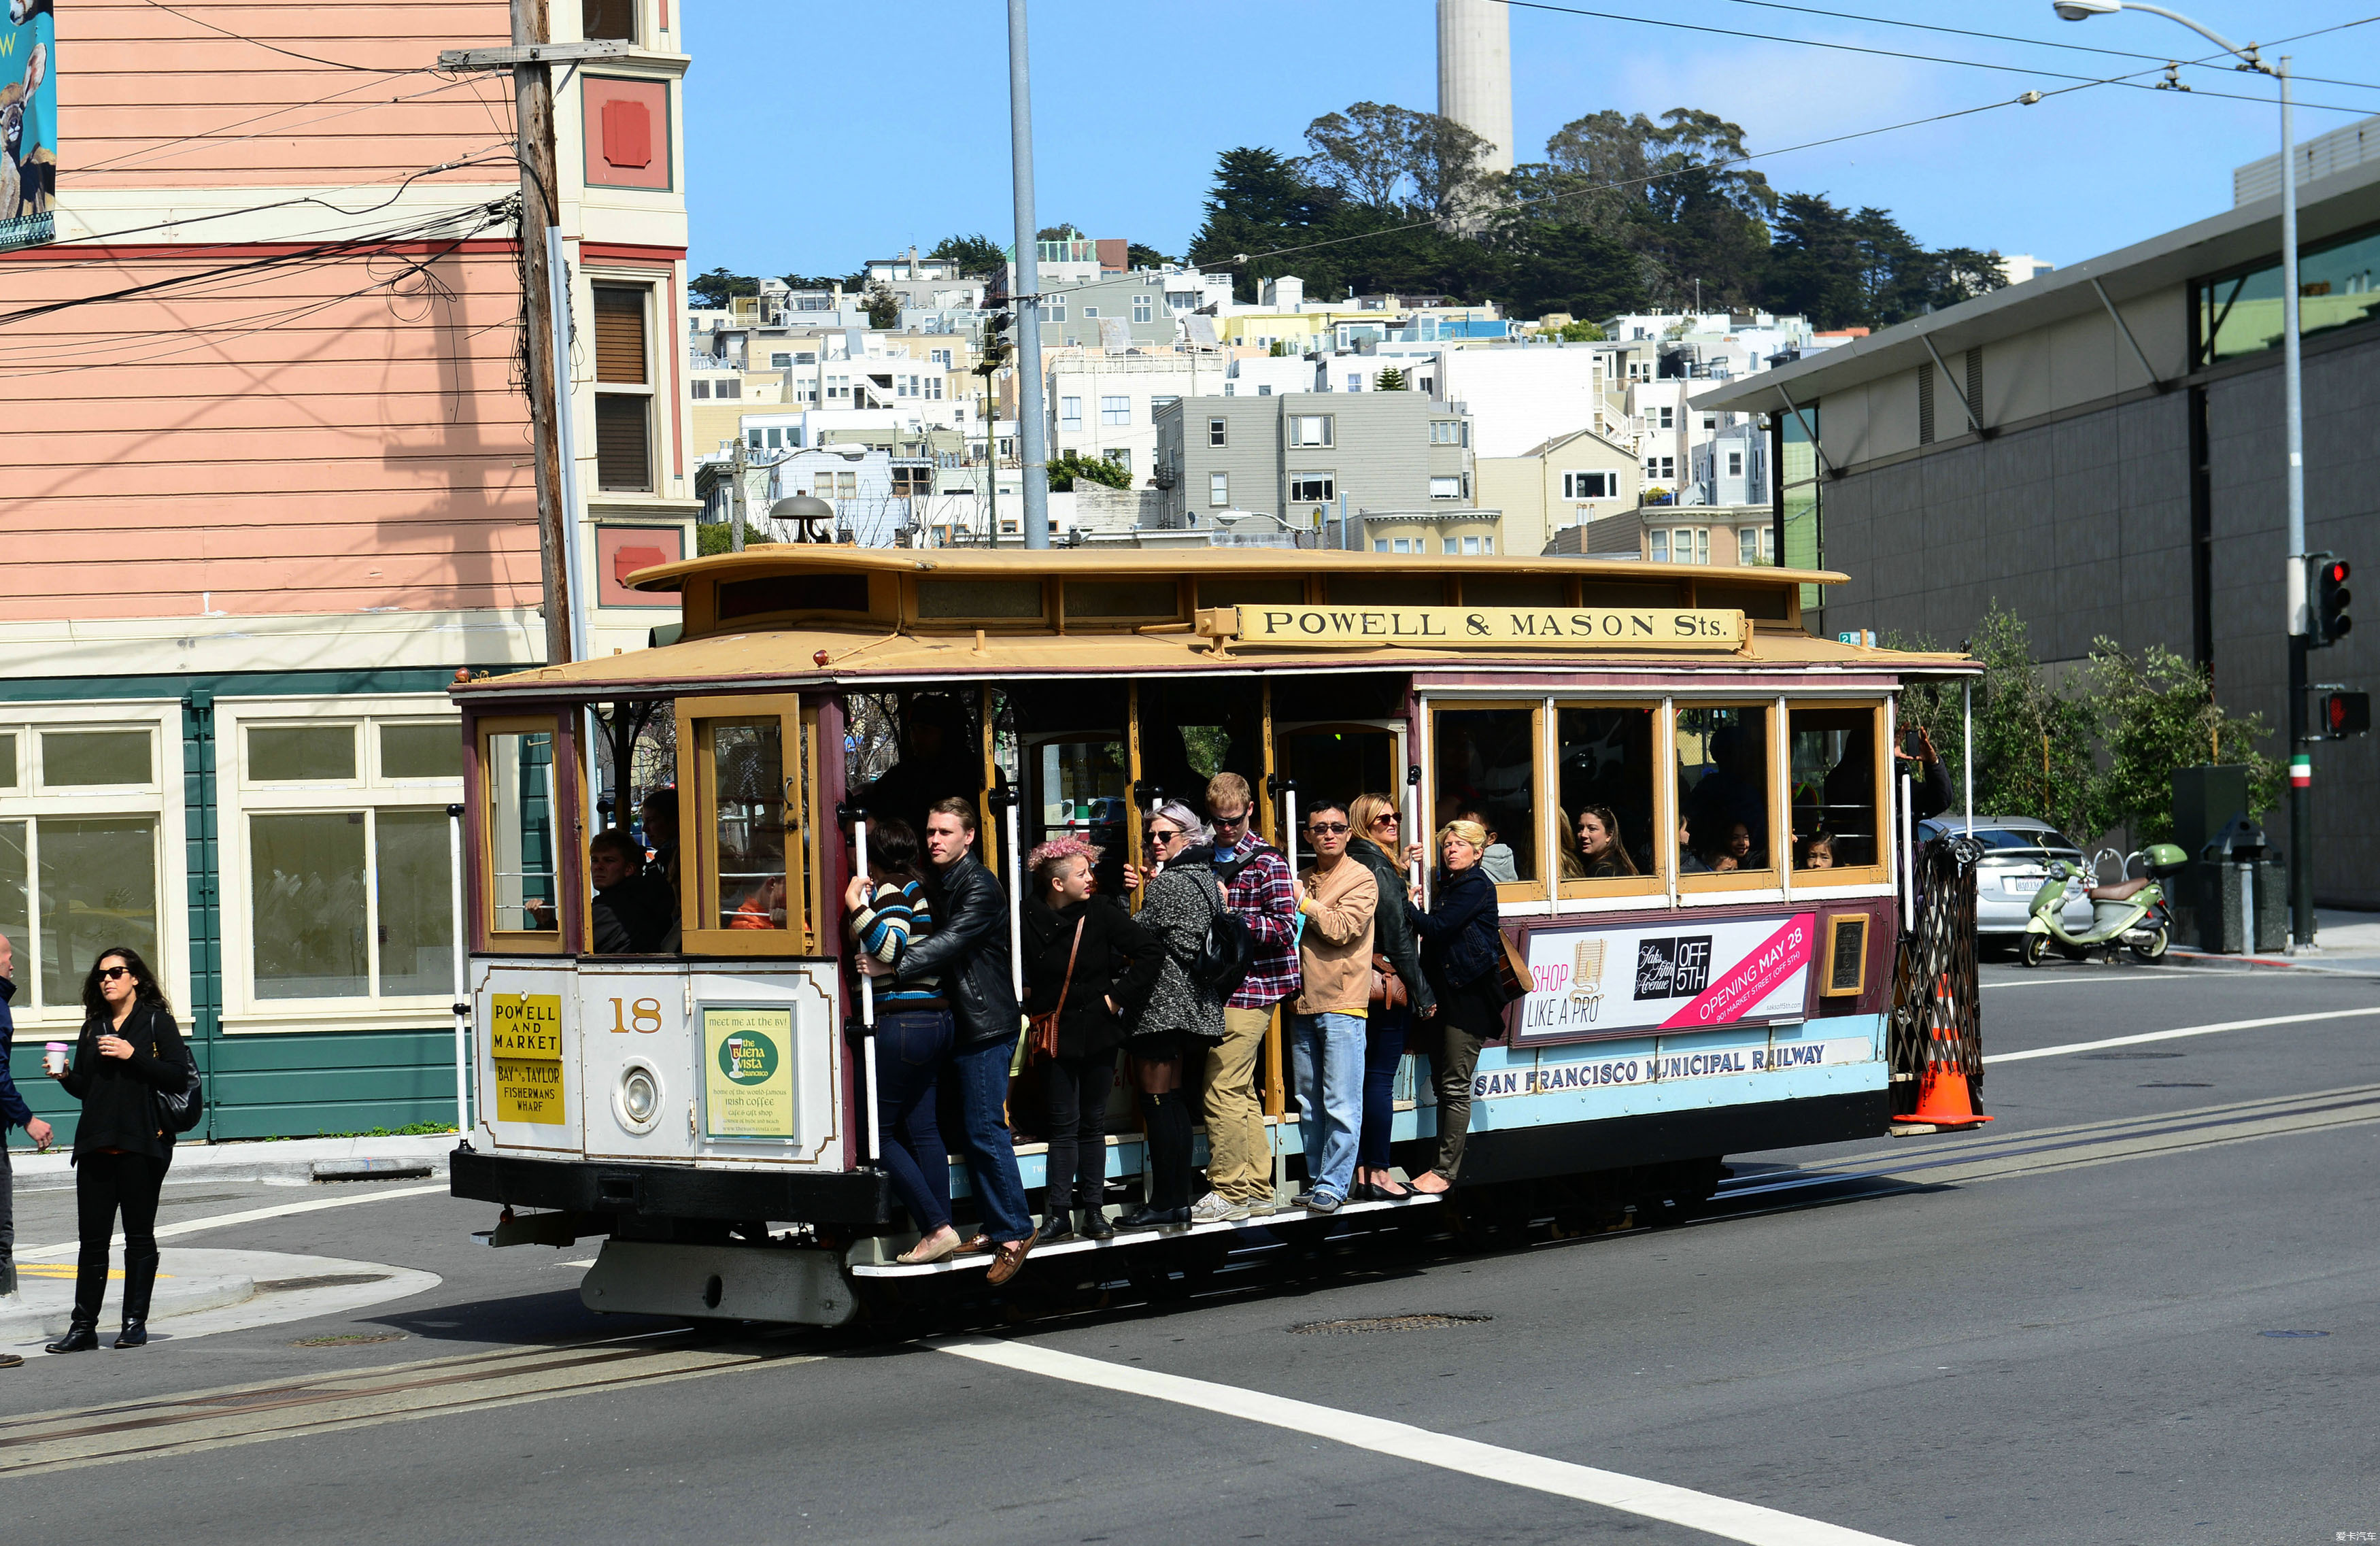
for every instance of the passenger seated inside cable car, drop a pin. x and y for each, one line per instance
(623, 914)
(1723, 786)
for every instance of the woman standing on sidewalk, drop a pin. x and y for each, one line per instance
(129, 1053)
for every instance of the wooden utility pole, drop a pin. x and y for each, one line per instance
(549, 394)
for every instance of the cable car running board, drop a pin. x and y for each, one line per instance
(1124, 1240)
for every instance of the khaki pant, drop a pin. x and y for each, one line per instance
(1239, 1164)
(1450, 1068)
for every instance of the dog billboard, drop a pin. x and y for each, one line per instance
(28, 125)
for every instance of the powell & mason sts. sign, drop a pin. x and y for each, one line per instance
(1444, 627)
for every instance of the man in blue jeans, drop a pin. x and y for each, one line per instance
(968, 952)
(1338, 897)
(13, 1112)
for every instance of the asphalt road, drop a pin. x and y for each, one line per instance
(2058, 1330)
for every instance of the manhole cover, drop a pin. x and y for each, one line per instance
(326, 1280)
(2179, 1084)
(351, 1341)
(2292, 1333)
(1384, 1323)
(2125, 1057)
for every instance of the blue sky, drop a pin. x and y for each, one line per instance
(819, 137)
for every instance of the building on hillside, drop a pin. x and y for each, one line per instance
(256, 526)
(1731, 467)
(1737, 536)
(1105, 405)
(2100, 451)
(1565, 482)
(1304, 457)
(1271, 376)
(1523, 396)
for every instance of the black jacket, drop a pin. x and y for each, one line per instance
(1118, 960)
(1392, 934)
(968, 950)
(118, 1095)
(1458, 933)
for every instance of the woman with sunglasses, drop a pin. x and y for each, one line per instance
(1401, 993)
(1459, 951)
(1183, 1016)
(129, 1051)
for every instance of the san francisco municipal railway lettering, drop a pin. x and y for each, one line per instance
(1457, 627)
(1593, 1073)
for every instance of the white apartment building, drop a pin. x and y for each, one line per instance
(1731, 467)
(1104, 404)
(1522, 395)
(1266, 376)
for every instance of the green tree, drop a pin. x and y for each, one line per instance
(977, 254)
(1390, 380)
(1141, 255)
(1387, 157)
(2034, 743)
(713, 537)
(1259, 201)
(884, 306)
(718, 288)
(2157, 715)
(1067, 465)
(1581, 332)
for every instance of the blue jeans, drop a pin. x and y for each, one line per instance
(1326, 1058)
(1384, 1048)
(910, 1046)
(991, 1149)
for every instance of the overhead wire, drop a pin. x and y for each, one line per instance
(270, 48)
(408, 179)
(210, 139)
(1897, 54)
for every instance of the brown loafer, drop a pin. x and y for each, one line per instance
(974, 1245)
(1010, 1259)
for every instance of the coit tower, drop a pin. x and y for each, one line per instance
(1475, 74)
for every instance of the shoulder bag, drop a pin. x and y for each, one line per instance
(178, 1110)
(1041, 1040)
(1511, 969)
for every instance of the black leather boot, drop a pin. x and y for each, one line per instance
(139, 1284)
(1096, 1225)
(81, 1337)
(1056, 1222)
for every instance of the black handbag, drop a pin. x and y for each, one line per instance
(179, 1110)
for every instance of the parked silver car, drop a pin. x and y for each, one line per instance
(2017, 852)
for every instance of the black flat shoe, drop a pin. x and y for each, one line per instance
(1056, 1225)
(1155, 1218)
(1364, 1191)
(135, 1334)
(1095, 1225)
(79, 1339)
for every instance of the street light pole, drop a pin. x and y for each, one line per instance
(2300, 624)
(1032, 429)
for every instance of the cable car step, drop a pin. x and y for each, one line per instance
(1126, 1239)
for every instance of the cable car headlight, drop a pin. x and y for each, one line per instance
(637, 1101)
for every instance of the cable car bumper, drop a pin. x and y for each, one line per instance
(849, 1200)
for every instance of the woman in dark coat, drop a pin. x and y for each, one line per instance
(1113, 967)
(1182, 1018)
(1459, 948)
(1376, 846)
(129, 1053)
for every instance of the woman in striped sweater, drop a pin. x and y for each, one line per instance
(888, 912)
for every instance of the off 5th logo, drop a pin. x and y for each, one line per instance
(748, 1058)
(1679, 967)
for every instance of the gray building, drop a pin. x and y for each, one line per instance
(2100, 450)
(1295, 454)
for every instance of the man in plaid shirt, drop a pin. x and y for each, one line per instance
(1257, 886)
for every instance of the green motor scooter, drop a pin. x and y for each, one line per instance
(2130, 914)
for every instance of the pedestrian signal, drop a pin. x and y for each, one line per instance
(2346, 713)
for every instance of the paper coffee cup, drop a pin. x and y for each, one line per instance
(54, 1056)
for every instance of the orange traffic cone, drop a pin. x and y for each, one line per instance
(1944, 1099)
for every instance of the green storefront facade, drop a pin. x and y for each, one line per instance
(297, 903)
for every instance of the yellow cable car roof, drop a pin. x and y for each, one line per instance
(734, 656)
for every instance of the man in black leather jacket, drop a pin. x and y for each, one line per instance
(968, 950)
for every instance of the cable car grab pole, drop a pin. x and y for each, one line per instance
(868, 1006)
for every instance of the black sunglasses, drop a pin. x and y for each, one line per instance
(1324, 829)
(109, 974)
(1239, 820)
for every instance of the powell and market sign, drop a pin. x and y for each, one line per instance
(1444, 627)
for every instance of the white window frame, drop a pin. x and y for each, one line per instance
(1453, 489)
(781, 360)
(1070, 413)
(33, 799)
(1219, 489)
(238, 798)
(1219, 431)
(1297, 431)
(1658, 545)
(1329, 481)
(1143, 310)
(1115, 410)
(1446, 432)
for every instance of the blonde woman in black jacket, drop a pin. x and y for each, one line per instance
(128, 1054)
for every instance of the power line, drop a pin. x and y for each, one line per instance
(291, 53)
(210, 138)
(1900, 54)
(408, 180)
(2009, 37)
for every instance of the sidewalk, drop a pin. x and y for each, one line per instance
(285, 1161)
(2348, 942)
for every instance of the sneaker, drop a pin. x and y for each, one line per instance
(1211, 1209)
(1234, 1212)
(1323, 1202)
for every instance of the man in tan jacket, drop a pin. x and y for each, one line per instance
(1334, 955)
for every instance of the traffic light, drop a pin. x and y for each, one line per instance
(2330, 603)
(2346, 713)
(996, 347)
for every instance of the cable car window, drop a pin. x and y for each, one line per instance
(745, 762)
(1723, 790)
(1835, 820)
(1385, 590)
(753, 598)
(518, 778)
(1122, 598)
(979, 598)
(1486, 761)
(1515, 591)
(1604, 812)
(1253, 591)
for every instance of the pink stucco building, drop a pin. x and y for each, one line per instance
(266, 484)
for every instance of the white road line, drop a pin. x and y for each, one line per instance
(218, 1220)
(2127, 979)
(2171, 1035)
(1651, 1500)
